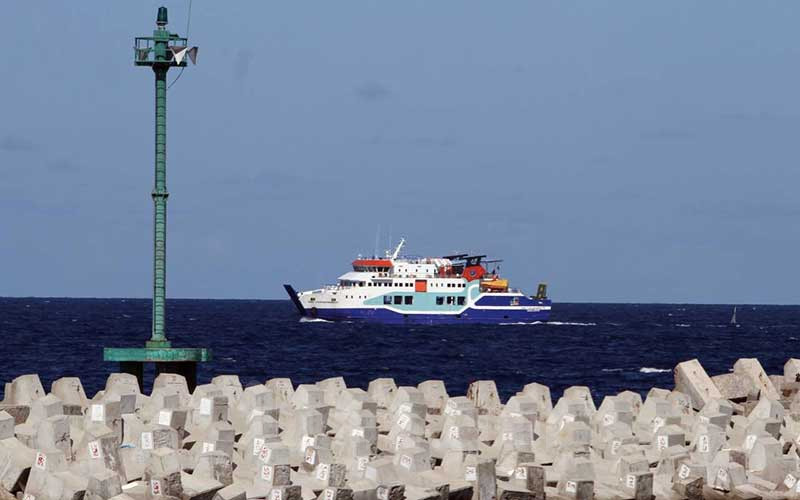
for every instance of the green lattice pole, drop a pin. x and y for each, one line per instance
(160, 52)
(158, 337)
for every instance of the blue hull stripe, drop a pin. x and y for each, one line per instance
(379, 315)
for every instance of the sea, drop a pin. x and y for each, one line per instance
(606, 347)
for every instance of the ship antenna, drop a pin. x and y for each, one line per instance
(377, 239)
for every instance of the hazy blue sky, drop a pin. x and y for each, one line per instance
(619, 150)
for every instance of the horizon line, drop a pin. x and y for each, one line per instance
(288, 300)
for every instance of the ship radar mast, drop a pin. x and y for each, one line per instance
(397, 249)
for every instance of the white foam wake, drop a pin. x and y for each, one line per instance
(611, 370)
(305, 319)
(567, 323)
(647, 369)
(521, 323)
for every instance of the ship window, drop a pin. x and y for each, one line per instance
(398, 299)
(450, 300)
(387, 299)
(409, 300)
(461, 301)
(439, 300)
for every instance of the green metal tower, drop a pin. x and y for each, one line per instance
(162, 51)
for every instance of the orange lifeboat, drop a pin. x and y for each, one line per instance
(494, 285)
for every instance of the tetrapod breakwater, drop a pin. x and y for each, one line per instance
(732, 435)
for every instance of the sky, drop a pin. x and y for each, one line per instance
(619, 150)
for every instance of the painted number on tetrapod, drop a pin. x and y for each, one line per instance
(165, 417)
(147, 441)
(323, 471)
(98, 413)
(205, 406)
(403, 421)
(470, 473)
(257, 444)
(382, 493)
(306, 442)
(703, 444)
(94, 449)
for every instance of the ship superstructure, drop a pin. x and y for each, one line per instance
(395, 289)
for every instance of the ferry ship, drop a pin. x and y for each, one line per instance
(450, 289)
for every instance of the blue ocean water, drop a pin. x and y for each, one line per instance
(607, 347)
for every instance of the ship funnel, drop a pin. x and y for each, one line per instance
(541, 292)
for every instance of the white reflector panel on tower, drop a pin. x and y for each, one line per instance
(179, 52)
